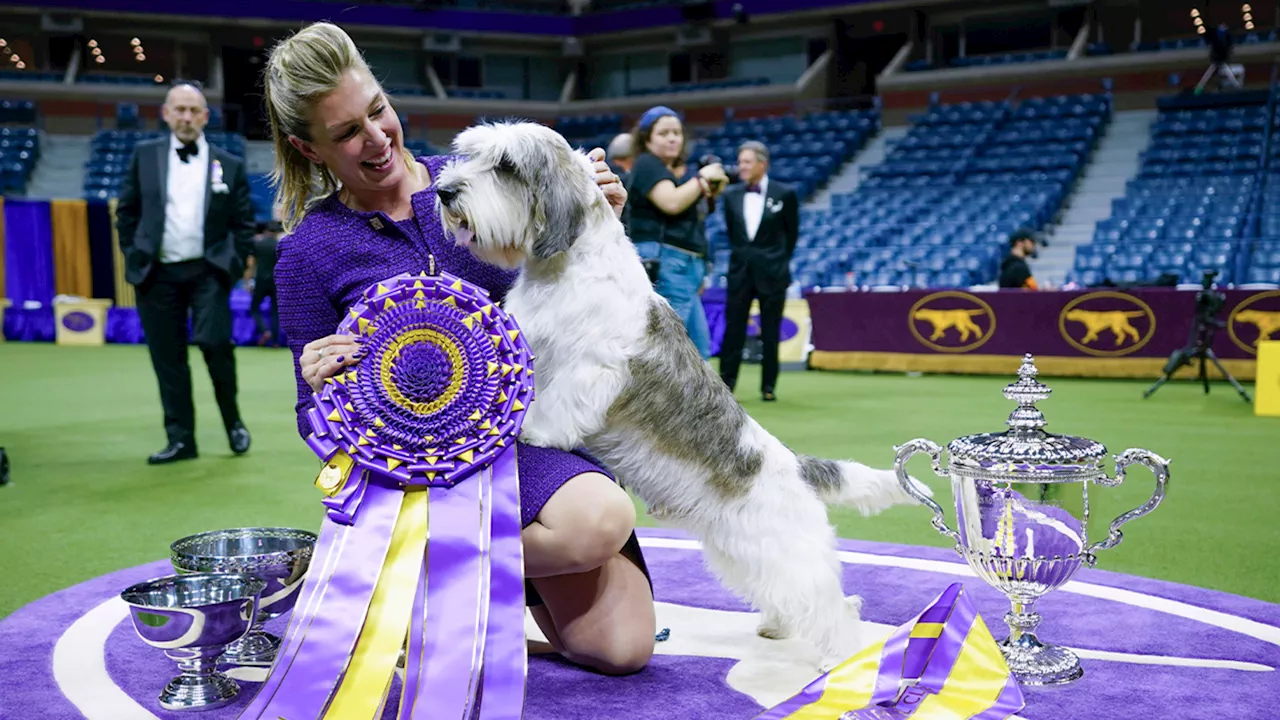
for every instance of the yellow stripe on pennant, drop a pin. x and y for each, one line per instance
(927, 630)
(976, 680)
(849, 686)
(364, 687)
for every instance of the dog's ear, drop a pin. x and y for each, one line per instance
(563, 212)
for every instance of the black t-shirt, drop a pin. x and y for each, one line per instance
(647, 222)
(1014, 272)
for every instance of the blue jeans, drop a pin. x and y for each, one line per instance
(679, 279)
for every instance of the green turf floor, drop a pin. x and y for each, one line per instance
(79, 422)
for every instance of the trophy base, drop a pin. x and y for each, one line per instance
(199, 692)
(255, 649)
(1036, 664)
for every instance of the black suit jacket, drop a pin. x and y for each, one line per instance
(768, 256)
(228, 219)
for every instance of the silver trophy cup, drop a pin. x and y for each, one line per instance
(277, 556)
(1022, 507)
(192, 618)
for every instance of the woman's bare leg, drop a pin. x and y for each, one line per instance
(598, 607)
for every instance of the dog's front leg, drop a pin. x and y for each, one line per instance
(570, 408)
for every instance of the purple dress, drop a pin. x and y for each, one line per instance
(335, 253)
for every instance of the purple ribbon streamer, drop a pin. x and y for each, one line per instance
(505, 655)
(811, 693)
(447, 684)
(325, 648)
(413, 650)
(323, 557)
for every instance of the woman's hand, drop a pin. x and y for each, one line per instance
(323, 358)
(608, 181)
(716, 178)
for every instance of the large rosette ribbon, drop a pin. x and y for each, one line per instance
(421, 432)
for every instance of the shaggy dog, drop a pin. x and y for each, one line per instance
(618, 375)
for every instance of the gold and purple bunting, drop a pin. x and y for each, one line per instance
(942, 665)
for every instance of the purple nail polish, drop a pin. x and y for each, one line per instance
(341, 358)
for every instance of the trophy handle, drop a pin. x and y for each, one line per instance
(1159, 467)
(905, 453)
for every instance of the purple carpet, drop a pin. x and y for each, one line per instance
(1150, 648)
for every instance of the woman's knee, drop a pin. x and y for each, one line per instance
(597, 518)
(625, 650)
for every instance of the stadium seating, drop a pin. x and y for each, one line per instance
(938, 211)
(19, 150)
(589, 131)
(699, 86)
(805, 151)
(985, 60)
(111, 150)
(1204, 200)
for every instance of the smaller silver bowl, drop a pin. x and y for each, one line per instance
(279, 557)
(193, 618)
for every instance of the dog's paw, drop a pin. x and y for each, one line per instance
(854, 603)
(772, 630)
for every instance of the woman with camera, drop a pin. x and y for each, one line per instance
(666, 216)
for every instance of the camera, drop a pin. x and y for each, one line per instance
(711, 159)
(1209, 300)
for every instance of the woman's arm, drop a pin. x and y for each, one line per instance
(672, 199)
(306, 316)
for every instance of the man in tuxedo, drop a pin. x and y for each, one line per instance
(185, 222)
(763, 219)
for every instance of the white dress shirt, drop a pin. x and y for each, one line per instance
(184, 204)
(753, 207)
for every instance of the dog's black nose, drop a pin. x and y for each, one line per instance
(446, 194)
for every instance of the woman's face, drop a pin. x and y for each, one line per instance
(667, 138)
(357, 135)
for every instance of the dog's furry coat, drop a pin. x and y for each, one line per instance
(617, 374)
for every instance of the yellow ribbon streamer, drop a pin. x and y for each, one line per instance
(364, 686)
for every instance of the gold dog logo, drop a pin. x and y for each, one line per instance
(951, 321)
(1107, 324)
(1256, 319)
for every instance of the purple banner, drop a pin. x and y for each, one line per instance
(1136, 323)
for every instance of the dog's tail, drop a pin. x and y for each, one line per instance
(855, 485)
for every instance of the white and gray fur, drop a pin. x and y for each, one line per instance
(616, 373)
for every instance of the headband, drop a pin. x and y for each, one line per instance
(653, 114)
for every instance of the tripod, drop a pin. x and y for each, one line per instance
(1225, 74)
(1200, 346)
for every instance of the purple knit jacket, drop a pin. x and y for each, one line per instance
(335, 253)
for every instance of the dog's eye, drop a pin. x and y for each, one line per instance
(505, 165)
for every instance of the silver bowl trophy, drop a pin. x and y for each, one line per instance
(192, 618)
(1022, 506)
(277, 556)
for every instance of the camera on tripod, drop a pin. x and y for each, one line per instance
(1209, 300)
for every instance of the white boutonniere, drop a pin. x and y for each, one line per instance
(215, 178)
(775, 206)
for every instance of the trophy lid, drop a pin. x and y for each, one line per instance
(1025, 452)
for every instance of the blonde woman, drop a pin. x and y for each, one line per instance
(334, 128)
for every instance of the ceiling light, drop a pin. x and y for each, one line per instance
(1245, 7)
(3, 43)
(100, 59)
(1195, 12)
(141, 57)
(1248, 26)
(22, 66)
(135, 41)
(137, 50)
(97, 51)
(159, 78)
(14, 58)
(1200, 29)
(93, 43)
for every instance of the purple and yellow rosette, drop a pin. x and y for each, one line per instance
(419, 438)
(943, 663)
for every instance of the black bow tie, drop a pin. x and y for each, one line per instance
(753, 188)
(187, 150)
